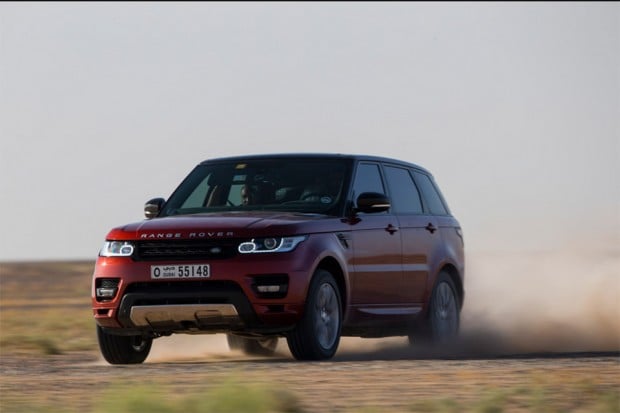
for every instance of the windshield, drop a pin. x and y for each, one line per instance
(288, 184)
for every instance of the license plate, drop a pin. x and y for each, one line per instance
(159, 272)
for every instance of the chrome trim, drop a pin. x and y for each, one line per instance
(392, 310)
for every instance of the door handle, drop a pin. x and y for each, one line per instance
(391, 229)
(430, 228)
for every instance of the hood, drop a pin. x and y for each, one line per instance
(219, 225)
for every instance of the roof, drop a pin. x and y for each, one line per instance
(357, 157)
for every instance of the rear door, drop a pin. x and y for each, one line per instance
(418, 231)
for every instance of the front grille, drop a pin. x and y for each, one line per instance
(184, 250)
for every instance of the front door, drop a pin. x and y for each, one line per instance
(376, 279)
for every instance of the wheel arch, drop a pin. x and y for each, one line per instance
(457, 280)
(332, 265)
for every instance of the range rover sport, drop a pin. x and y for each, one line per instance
(307, 247)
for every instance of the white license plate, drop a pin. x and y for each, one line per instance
(159, 272)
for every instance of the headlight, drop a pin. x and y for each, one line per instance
(116, 249)
(271, 244)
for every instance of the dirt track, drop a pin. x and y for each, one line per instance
(384, 378)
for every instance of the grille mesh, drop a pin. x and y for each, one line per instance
(184, 250)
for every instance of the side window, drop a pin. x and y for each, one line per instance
(236, 190)
(367, 179)
(431, 194)
(403, 191)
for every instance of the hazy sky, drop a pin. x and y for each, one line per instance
(515, 107)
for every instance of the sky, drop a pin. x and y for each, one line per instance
(514, 107)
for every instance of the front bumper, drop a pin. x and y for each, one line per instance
(227, 301)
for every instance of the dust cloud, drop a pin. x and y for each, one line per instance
(517, 303)
(566, 300)
(184, 347)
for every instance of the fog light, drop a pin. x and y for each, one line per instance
(270, 285)
(106, 288)
(106, 292)
(268, 288)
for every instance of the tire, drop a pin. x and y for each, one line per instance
(441, 325)
(254, 347)
(317, 335)
(123, 349)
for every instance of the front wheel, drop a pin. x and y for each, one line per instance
(255, 347)
(123, 349)
(317, 335)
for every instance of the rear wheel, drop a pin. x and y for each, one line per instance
(441, 325)
(123, 349)
(256, 347)
(317, 335)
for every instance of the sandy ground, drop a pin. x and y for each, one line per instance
(382, 375)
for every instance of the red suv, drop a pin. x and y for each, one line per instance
(309, 247)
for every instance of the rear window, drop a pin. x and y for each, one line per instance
(403, 191)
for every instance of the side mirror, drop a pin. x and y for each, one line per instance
(152, 207)
(370, 202)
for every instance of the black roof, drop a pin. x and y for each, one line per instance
(357, 157)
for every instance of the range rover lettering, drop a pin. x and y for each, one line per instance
(305, 247)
